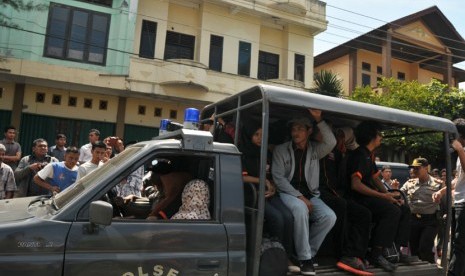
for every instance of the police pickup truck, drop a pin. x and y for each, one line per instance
(81, 231)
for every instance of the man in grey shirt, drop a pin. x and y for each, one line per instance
(296, 172)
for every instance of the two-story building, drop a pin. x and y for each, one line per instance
(123, 65)
(420, 46)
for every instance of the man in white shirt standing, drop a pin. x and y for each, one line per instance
(457, 260)
(85, 151)
(98, 153)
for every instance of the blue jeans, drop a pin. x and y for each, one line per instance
(457, 261)
(310, 229)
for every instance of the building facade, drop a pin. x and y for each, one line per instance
(123, 65)
(420, 46)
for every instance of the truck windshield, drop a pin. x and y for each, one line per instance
(91, 180)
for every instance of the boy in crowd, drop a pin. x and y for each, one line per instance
(59, 149)
(85, 151)
(55, 177)
(13, 148)
(98, 154)
(7, 179)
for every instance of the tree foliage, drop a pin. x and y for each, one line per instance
(328, 83)
(434, 99)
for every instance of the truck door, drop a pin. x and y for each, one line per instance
(130, 246)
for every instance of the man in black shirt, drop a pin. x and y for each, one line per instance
(352, 229)
(366, 189)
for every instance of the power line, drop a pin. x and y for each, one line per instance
(331, 25)
(274, 46)
(227, 35)
(347, 29)
(396, 25)
(347, 64)
(392, 50)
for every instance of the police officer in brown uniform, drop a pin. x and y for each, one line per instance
(423, 222)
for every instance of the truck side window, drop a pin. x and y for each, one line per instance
(183, 185)
(168, 186)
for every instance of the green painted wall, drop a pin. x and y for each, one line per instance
(139, 133)
(27, 42)
(5, 120)
(35, 126)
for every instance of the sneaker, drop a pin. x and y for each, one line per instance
(391, 254)
(380, 261)
(406, 259)
(307, 268)
(292, 268)
(353, 265)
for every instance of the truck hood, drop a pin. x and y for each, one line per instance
(15, 209)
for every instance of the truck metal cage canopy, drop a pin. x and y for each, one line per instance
(336, 110)
(274, 106)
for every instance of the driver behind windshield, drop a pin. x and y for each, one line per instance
(169, 180)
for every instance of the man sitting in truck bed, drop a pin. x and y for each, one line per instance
(361, 174)
(295, 170)
(350, 234)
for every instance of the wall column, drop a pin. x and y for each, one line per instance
(387, 55)
(17, 110)
(352, 71)
(120, 117)
(448, 72)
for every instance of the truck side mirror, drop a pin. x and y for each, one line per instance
(100, 213)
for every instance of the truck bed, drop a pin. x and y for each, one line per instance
(416, 268)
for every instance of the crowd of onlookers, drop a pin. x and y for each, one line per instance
(51, 169)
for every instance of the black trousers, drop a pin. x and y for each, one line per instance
(385, 216)
(403, 229)
(279, 223)
(352, 229)
(422, 233)
(457, 261)
(441, 223)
